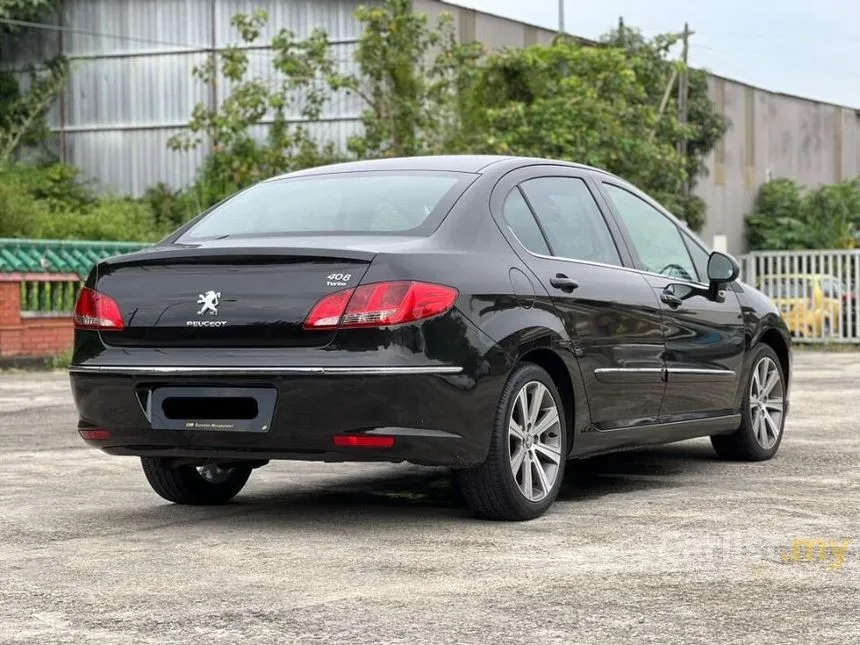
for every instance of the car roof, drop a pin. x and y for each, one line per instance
(476, 164)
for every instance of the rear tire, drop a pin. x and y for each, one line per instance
(523, 472)
(209, 485)
(763, 413)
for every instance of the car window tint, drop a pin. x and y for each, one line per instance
(831, 288)
(571, 219)
(656, 238)
(361, 202)
(700, 257)
(519, 217)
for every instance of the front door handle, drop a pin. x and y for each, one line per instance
(561, 281)
(671, 299)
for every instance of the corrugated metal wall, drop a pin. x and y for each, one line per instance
(132, 89)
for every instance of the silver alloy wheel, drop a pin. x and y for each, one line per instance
(214, 474)
(534, 441)
(767, 402)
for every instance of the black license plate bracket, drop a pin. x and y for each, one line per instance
(212, 409)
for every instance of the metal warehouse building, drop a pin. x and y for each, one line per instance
(131, 89)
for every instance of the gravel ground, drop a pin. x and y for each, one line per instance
(664, 545)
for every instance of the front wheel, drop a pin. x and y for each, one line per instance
(523, 471)
(210, 484)
(763, 414)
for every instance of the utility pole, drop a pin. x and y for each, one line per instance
(683, 93)
(560, 17)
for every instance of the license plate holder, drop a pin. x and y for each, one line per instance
(211, 409)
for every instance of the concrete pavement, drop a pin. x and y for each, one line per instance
(666, 545)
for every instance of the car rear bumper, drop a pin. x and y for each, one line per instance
(438, 415)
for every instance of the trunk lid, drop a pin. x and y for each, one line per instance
(223, 296)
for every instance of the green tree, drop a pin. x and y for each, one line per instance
(579, 103)
(412, 77)
(424, 92)
(788, 218)
(286, 101)
(705, 126)
(22, 111)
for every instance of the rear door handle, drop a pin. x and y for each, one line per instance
(671, 299)
(561, 281)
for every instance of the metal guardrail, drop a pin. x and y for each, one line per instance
(51, 297)
(816, 291)
(50, 271)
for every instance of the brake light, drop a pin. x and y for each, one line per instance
(95, 310)
(381, 304)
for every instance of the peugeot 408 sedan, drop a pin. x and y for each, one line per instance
(501, 316)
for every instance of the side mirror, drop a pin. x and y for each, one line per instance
(722, 268)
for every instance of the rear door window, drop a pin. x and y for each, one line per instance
(522, 221)
(571, 219)
(408, 203)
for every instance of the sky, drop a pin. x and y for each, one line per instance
(803, 47)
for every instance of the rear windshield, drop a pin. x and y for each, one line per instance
(408, 203)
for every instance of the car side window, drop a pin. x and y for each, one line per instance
(571, 219)
(657, 238)
(700, 257)
(831, 288)
(522, 221)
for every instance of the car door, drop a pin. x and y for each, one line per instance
(704, 331)
(610, 311)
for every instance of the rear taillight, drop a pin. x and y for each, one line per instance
(95, 310)
(380, 304)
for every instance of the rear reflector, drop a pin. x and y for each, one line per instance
(95, 434)
(363, 441)
(95, 310)
(380, 304)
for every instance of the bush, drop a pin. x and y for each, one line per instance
(58, 186)
(51, 202)
(171, 208)
(19, 211)
(786, 218)
(112, 219)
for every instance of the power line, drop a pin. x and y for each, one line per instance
(71, 30)
(264, 50)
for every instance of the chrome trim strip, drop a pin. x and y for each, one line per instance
(645, 374)
(693, 370)
(629, 374)
(695, 375)
(726, 419)
(351, 371)
(678, 370)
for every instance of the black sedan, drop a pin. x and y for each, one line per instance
(500, 316)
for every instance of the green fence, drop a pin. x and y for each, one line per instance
(47, 267)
